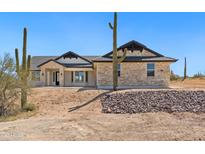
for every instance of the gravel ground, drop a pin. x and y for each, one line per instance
(154, 101)
(86, 122)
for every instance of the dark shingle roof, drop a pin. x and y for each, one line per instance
(82, 65)
(37, 60)
(91, 57)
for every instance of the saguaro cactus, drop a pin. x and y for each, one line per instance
(185, 73)
(116, 60)
(23, 70)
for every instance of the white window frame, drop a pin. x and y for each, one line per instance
(74, 75)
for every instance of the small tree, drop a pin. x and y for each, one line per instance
(185, 69)
(8, 85)
(23, 70)
(115, 58)
(174, 76)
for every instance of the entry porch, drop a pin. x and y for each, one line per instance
(69, 77)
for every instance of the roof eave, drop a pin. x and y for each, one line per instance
(139, 60)
(48, 62)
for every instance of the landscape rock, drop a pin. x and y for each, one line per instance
(154, 101)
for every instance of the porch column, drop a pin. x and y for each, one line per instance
(43, 76)
(48, 78)
(61, 77)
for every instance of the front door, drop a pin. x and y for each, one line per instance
(57, 78)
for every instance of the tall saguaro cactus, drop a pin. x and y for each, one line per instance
(185, 69)
(23, 70)
(116, 60)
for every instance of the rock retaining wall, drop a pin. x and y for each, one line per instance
(154, 101)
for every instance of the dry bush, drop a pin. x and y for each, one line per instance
(8, 86)
(174, 76)
(29, 107)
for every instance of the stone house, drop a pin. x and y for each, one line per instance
(142, 67)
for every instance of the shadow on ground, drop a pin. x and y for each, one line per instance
(88, 102)
(86, 89)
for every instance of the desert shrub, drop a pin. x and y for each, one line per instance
(173, 76)
(199, 75)
(29, 107)
(8, 86)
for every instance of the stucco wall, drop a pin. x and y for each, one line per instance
(36, 83)
(134, 74)
(67, 78)
(91, 78)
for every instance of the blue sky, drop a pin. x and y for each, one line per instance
(172, 34)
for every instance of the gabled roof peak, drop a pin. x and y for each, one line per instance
(135, 42)
(71, 54)
(134, 45)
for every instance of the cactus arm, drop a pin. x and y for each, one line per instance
(123, 56)
(17, 60)
(24, 49)
(28, 64)
(110, 25)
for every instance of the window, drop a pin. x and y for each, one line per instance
(79, 76)
(150, 69)
(118, 69)
(35, 75)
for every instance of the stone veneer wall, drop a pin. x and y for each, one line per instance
(134, 74)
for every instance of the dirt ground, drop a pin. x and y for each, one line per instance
(86, 122)
(197, 83)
